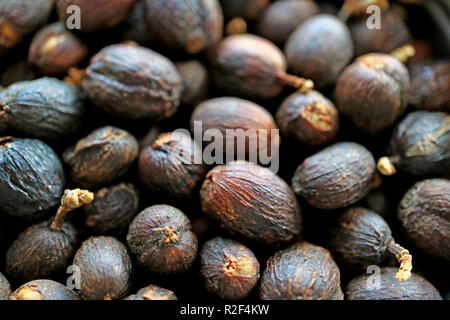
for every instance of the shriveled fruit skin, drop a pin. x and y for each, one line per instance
(252, 201)
(96, 14)
(5, 287)
(31, 178)
(301, 272)
(249, 9)
(19, 18)
(281, 18)
(230, 113)
(425, 215)
(319, 49)
(430, 85)
(45, 108)
(393, 34)
(229, 269)
(360, 238)
(40, 251)
(309, 118)
(161, 240)
(415, 288)
(421, 142)
(338, 176)
(170, 166)
(101, 157)
(195, 81)
(152, 292)
(373, 92)
(112, 209)
(44, 290)
(133, 82)
(105, 268)
(249, 66)
(191, 25)
(55, 49)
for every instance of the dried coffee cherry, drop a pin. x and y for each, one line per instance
(161, 240)
(101, 157)
(55, 49)
(105, 269)
(362, 238)
(319, 49)
(19, 18)
(45, 108)
(191, 25)
(31, 178)
(308, 118)
(338, 176)
(252, 125)
(172, 165)
(301, 272)
(420, 145)
(416, 288)
(44, 290)
(133, 82)
(425, 215)
(281, 18)
(251, 66)
(5, 288)
(48, 247)
(95, 14)
(152, 292)
(373, 92)
(430, 85)
(229, 269)
(195, 81)
(251, 201)
(113, 209)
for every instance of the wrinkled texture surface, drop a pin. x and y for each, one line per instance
(31, 178)
(96, 14)
(415, 288)
(153, 292)
(19, 18)
(170, 165)
(133, 82)
(47, 290)
(44, 108)
(248, 65)
(430, 86)
(229, 113)
(373, 92)
(421, 142)
(308, 118)
(319, 49)
(301, 272)
(40, 251)
(281, 18)
(338, 176)
(105, 268)
(360, 238)
(161, 240)
(195, 81)
(392, 34)
(252, 201)
(101, 157)
(425, 215)
(229, 269)
(191, 25)
(55, 49)
(5, 287)
(113, 209)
